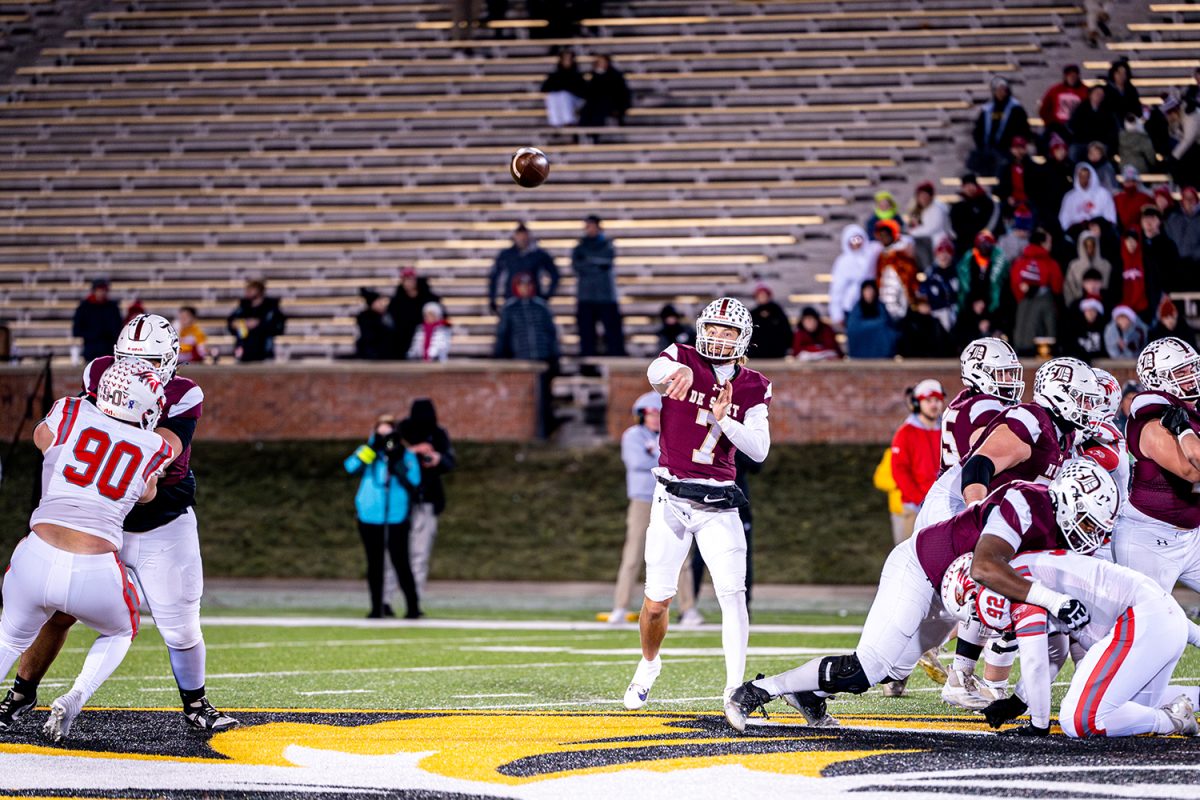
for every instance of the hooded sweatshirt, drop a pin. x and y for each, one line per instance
(1081, 205)
(1133, 280)
(1073, 284)
(850, 269)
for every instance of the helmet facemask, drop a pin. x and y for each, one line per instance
(723, 330)
(1085, 501)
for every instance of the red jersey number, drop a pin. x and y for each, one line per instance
(99, 457)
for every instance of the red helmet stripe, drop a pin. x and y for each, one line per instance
(724, 307)
(137, 332)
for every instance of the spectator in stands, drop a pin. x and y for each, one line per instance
(1139, 289)
(896, 272)
(1082, 331)
(982, 271)
(1058, 177)
(606, 95)
(1019, 179)
(1191, 95)
(814, 340)
(376, 329)
(673, 330)
(1096, 21)
(870, 332)
(1134, 146)
(772, 335)
(135, 309)
(406, 309)
(524, 257)
(435, 453)
(564, 89)
(1098, 160)
(1132, 198)
(1169, 322)
(1037, 287)
(1086, 201)
(1164, 201)
(1016, 238)
(593, 261)
(854, 265)
(1120, 95)
(971, 214)
(1089, 260)
(1000, 119)
(1130, 390)
(928, 219)
(941, 284)
(255, 323)
(1125, 335)
(1184, 230)
(886, 209)
(526, 331)
(917, 452)
(193, 344)
(1093, 121)
(921, 335)
(1161, 257)
(390, 477)
(973, 321)
(431, 339)
(1060, 101)
(97, 321)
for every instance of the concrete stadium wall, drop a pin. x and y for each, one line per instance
(486, 401)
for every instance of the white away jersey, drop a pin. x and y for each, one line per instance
(95, 470)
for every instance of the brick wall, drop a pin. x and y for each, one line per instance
(476, 400)
(844, 401)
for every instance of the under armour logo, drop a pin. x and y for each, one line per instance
(1161, 542)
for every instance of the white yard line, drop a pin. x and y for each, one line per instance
(338, 691)
(490, 696)
(493, 624)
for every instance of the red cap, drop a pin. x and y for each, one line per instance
(1020, 141)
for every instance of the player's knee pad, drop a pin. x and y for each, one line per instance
(842, 674)
(1002, 652)
(180, 633)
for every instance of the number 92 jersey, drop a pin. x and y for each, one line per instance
(692, 445)
(95, 469)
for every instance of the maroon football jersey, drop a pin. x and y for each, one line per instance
(1154, 491)
(183, 400)
(1032, 425)
(692, 445)
(968, 412)
(1028, 524)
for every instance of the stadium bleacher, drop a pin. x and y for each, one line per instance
(178, 148)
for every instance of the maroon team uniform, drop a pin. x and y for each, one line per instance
(1032, 425)
(968, 412)
(692, 445)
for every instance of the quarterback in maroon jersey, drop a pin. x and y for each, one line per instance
(713, 406)
(161, 546)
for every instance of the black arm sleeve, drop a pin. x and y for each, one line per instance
(183, 427)
(978, 469)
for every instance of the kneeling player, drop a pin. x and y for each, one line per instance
(1135, 638)
(99, 460)
(1076, 510)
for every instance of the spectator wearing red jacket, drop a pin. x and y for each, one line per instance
(814, 340)
(1131, 199)
(1060, 101)
(917, 452)
(1037, 286)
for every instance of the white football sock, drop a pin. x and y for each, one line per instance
(647, 671)
(188, 666)
(735, 636)
(804, 678)
(105, 655)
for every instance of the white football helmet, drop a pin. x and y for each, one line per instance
(993, 609)
(1170, 365)
(1111, 390)
(130, 390)
(991, 366)
(151, 338)
(1086, 501)
(958, 590)
(1067, 387)
(730, 313)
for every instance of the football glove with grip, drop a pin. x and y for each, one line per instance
(1026, 730)
(1004, 710)
(1176, 420)
(1068, 610)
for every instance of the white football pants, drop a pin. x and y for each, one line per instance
(1162, 552)
(166, 563)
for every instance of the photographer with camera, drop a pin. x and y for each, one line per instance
(386, 493)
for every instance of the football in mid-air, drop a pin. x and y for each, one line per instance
(529, 167)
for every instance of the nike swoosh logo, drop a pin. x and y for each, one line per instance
(710, 499)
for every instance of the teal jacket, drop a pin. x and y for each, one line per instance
(382, 499)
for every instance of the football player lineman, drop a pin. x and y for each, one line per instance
(713, 406)
(161, 543)
(908, 616)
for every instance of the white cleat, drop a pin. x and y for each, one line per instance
(615, 617)
(962, 691)
(691, 618)
(638, 693)
(63, 712)
(1183, 716)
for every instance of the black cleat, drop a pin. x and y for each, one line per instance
(12, 709)
(812, 707)
(203, 718)
(744, 701)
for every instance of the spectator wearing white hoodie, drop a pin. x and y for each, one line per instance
(928, 220)
(855, 265)
(1088, 200)
(1125, 335)
(431, 339)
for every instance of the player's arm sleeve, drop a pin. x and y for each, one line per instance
(1009, 522)
(1036, 676)
(183, 427)
(753, 437)
(662, 368)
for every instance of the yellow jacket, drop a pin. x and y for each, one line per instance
(884, 482)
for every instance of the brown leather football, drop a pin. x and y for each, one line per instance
(529, 167)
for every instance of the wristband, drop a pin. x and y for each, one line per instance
(1040, 595)
(1183, 435)
(365, 454)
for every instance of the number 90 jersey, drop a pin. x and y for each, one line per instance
(95, 469)
(692, 446)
